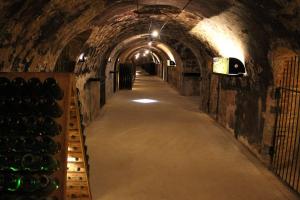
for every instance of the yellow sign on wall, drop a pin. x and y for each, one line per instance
(221, 65)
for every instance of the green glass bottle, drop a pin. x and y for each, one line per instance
(29, 184)
(16, 144)
(31, 144)
(47, 184)
(5, 86)
(14, 163)
(50, 127)
(35, 86)
(33, 126)
(2, 183)
(49, 163)
(4, 144)
(3, 163)
(52, 89)
(10, 183)
(52, 109)
(30, 162)
(48, 145)
(19, 86)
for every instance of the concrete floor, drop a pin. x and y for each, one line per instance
(168, 150)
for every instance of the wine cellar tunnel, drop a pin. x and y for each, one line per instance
(152, 49)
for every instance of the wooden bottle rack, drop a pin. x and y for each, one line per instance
(77, 174)
(73, 173)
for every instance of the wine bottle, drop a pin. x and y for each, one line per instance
(53, 89)
(31, 145)
(29, 184)
(35, 86)
(32, 124)
(52, 109)
(11, 163)
(18, 124)
(49, 107)
(16, 105)
(39, 126)
(3, 125)
(28, 105)
(8, 126)
(49, 146)
(16, 144)
(19, 86)
(9, 182)
(4, 140)
(4, 102)
(47, 184)
(3, 162)
(4, 86)
(36, 105)
(14, 163)
(49, 163)
(41, 104)
(31, 162)
(21, 145)
(2, 183)
(50, 127)
(39, 144)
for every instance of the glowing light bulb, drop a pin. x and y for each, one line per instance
(137, 56)
(81, 57)
(150, 44)
(155, 33)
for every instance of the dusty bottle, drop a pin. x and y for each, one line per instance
(4, 86)
(53, 89)
(49, 146)
(50, 127)
(19, 87)
(35, 86)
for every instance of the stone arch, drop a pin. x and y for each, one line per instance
(67, 60)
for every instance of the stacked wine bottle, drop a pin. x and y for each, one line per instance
(28, 127)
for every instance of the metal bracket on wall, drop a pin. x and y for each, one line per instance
(93, 80)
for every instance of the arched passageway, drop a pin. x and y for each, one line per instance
(92, 39)
(152, 143)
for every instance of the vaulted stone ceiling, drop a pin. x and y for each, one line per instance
(36, 31)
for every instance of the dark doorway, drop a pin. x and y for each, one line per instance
(102, 92)
(125, 76)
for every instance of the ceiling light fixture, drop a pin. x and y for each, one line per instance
(137, 56)
(155, 34)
